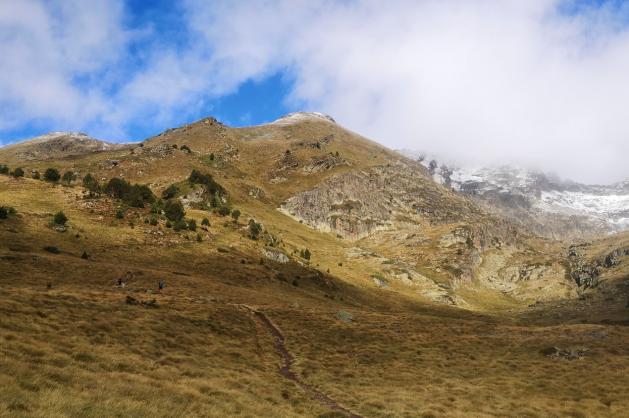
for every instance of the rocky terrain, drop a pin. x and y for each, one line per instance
(313, 272)
(542, 203)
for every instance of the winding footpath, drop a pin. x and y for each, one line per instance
(287, 363)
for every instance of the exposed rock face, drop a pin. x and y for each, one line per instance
(358, 203)
(542, 203)
(323, 163)
(275, 255)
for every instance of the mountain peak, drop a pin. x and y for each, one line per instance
(296, 117)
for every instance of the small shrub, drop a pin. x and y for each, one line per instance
(175, 146)
(5, 211)
(180, 225)
(174, 211)
(192, 224)
(196, 177)
(18, 172)
(223, 211)
(60, 218)
(52, 250)
(85, 256)
(185, 148)
(52, 175)
(307, 254)
(119, 214)
(36, 175)
(205, 222)
(168, 224)
(153, 220)
(235, 215)
(254, 229)
(170, 192)
(4, 169)
(68, 177)
(199, 238)
(90, 183)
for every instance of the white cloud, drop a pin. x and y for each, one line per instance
(479, 81)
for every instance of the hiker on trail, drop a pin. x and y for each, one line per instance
(161, 285)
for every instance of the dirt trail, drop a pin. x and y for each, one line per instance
(287, 363)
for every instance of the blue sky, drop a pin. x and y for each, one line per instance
(477, 81)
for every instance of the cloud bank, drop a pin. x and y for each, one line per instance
(540, 83)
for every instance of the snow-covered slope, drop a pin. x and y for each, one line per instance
(544, 203)
(296, 117)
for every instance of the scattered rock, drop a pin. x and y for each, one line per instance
(564, 353)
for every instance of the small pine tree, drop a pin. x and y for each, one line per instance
(153, 221)
(192, 224)
(180, 225)
(170, 192)
(52, 175)
(199, 238)
(205, 222)
(60, 218)
(18, 172)
(235, 215)
(307, 254)
(254, 229)
(119, 214)
(223, 211)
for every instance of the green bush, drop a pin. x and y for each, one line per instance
(174, 211)
(199, 238)
(5, 211)
(196, 177)
(192, 224)
(205, 222)
(119, 214)
(185, 148)
(4, 169)
(180, 225)
(68, 177)
(18, 172)
(170, 192)
(60, 218)
(168, 224)
(52, 250)
(153, 221)
(307, 254)
(223, 211)
(235, 215)
(135, 195)
(52, 175)
(90, 183)
(254, 229)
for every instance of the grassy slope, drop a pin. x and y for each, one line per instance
(78, 349)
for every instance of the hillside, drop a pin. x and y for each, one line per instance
(368, 289)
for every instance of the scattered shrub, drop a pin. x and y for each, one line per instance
(235, 215)
(52, 250)
(174, 211)
(60, 218)
(192, 224)
(119, 214)
(68, 177)
(52, 175)
(170, 192)
(168, 224)
(36, 175)
(180, 225)
(223, 211)
(185, 148)
(18, 172)
(205, 222)
(175, 146)
(4, 169)
(85, 256)
(5, 211)
(254, 229)
(153, 220)
(199, 238)
(91, 184)
(135, 195)
(196, 177)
